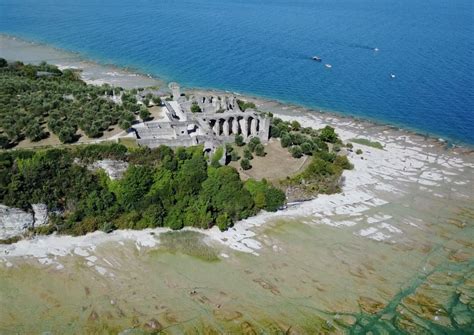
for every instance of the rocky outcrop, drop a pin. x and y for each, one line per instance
(40, 214)
(15, 222)
(114, 169)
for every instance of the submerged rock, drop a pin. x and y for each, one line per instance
(370, 305)
(153, 325)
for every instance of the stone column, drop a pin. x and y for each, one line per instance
(216, 128)
(226, 127)
(235, 126)
(245, 128)
(253, 127)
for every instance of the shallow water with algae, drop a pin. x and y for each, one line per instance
(307, 279)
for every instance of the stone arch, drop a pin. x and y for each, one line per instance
(221, 126)
(250, 119)
(212, 125)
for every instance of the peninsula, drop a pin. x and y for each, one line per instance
(109, 227)
(169, 172)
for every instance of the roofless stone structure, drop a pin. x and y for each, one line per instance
(220, 119)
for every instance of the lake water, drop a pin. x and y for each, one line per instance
(265, 48)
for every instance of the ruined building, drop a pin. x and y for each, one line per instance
(217, 122)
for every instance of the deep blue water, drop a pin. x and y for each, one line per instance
(263, 47)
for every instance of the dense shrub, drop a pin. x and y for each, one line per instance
(265, 195)
(245, 164)
(160, 188)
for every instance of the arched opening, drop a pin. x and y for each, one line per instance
(221, 127)
(249, 126)
(212, 125)
(231, 122)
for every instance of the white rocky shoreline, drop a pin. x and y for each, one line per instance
(378, 178)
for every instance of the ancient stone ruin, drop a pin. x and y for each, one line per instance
(218, 121)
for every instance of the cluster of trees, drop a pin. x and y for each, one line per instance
(325, 169)
(253, 147)
(38, 99)
(302, 141)
(161, 188)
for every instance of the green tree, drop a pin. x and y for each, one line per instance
(274, 132)
(296, 151)
(125, 125)
(67, 135)
(295, 125)
(274, 198)
(223, 221)
(260, 150)
(34, 132)
(195, 108)
(239, 140)
(307, 148)
(234, 156)
(4, 142)
(245, 164)
(285, 140)
(253, 143)
(134, 185)
(248, 154)
(343, 162)
(223, 191)
(93, 131)
(190, 175)
(153, 216)
(144, 113)
(157, 100)
(328, 134)
(265, 195)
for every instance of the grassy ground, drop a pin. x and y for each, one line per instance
(367, 142)
(128, 142)
(157, 113)
(276, 165)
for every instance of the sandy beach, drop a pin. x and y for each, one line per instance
(391, 241)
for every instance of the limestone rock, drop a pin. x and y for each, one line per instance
(13, 222)
(40, 214)
(114, 169)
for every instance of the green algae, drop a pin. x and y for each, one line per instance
(306, 280)
(190, 243)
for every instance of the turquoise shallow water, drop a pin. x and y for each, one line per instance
(264, 47)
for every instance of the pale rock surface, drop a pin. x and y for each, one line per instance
(114, 168)
(14, 221)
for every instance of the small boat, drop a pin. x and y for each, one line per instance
(376, 49)
(328, 66)
(392, 75)
(317, 59)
